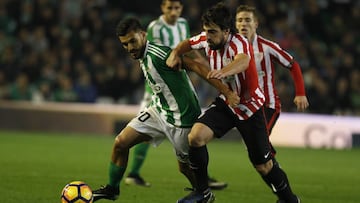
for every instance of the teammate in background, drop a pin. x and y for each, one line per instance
(169, 30)
(268, 53)
(231, 60)
(171, 113)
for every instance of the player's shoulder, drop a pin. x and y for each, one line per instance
(157, 47)
(268, 42)
(182, 20)
(239, 37)
(156, 23)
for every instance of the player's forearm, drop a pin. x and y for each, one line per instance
(298, 79)
(202, 71)
(240, 64)
(182, 48)
(198, 57)
(173, 60)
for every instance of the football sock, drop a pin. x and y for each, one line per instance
(116, 173)
(139, 155)
(277, 180)
(199, 159)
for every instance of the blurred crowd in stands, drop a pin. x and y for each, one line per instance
(67, 50)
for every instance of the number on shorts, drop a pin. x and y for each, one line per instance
(143, 116)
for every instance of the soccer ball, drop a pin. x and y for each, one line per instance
(76, 192)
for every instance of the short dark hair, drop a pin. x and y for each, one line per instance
(220, 15)
(247, 8)
(164, 1)
(127, 25)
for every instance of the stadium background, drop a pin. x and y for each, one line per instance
(67, 51)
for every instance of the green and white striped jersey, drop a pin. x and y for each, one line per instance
(174, 96)
(160, 32)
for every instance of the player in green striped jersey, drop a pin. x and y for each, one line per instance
(172, 111)
(169, 30)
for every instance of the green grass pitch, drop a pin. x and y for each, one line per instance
(34, 167)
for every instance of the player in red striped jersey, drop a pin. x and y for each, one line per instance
(231, 59)
(269, 53)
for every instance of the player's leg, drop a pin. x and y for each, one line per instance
(198, 157)
(140, 151)
(185, 169)
(179, 139)
(271, 117)
(127, 138)
(213, 183)
(217, 120)
(139, 155)
(255, 136)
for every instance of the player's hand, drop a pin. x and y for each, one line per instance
(232, 98)
(301, 103)
(217, 74)
(174, 61)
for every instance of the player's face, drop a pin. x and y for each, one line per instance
(134, 43)
(216, 37)
(172, 11)
(246, 24)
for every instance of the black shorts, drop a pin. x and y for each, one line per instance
(272, 116)
(220, 119)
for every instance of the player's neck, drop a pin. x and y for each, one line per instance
(167, 21)
(252, 38)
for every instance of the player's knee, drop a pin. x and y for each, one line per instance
(119, 144)
(199, 136)
(195, 140)
(265, 168)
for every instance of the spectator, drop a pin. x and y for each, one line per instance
(20, 89)
(65, 91)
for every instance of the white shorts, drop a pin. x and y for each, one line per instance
(145, 101)
(149, 122)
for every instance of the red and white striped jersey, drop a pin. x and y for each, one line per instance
(271, 53)
(245, 83)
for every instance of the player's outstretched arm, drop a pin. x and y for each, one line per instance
(300, 99)
(174, 61)
(238, 65)
(203, 71)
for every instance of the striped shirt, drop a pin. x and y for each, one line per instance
(163, 33)
(245, 83)
(173, 96)
(271, 52)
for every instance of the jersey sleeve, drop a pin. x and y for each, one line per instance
(153, 33)
(187, 29)
(283, 57)
(198, 41)
(286, 60)
(297, 77)
(240, 45)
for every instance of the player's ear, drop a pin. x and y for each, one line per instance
(226, 31)
(256, 23)
(143, 34)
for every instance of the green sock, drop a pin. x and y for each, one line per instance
(116, 173)
(139, 155)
